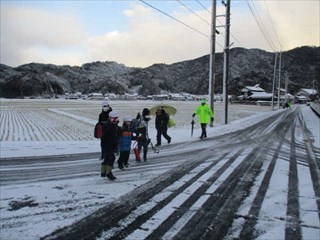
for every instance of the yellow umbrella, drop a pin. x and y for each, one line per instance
(169, 109)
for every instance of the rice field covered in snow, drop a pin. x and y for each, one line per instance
(73, 120)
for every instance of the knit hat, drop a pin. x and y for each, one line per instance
(127, 119)
(104, 103)
(203, 101)
(114, 117)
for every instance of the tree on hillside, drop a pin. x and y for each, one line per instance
(149, 88)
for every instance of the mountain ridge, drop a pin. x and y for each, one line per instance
(246, 67)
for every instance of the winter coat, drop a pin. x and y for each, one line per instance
(110, 136)
(104, 116)
(125, 139)
(162, 120)
(204, 113)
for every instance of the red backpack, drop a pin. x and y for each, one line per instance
(98, 130)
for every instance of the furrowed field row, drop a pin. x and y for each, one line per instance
(41, 125)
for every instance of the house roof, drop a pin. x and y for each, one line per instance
(255, 88)
(308, 91)
(301, 97)
(261, 95)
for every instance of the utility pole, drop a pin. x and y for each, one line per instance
(286, 82)
(274, 80)
(313, 89)
(226, 62)
(279, 80)
(212, 54)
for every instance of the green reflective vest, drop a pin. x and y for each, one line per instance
(204, 113)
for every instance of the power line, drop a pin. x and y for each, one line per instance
(204, 7)
(197, 15)
(193, 12)
(175, 19)
(178, 21)
(273, 24)
(261, 22)
(260, 25)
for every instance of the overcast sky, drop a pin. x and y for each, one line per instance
(133, 33)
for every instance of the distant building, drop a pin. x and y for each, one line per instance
(300, 99)
(254, 93)
(307, 93)
(95, 96)
(127, 96)
(73, 96)
(111, 96)
(260, 96)
(161, 97)
(248, 90)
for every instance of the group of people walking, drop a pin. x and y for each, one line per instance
(117, 140)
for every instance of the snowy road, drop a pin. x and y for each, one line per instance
(261, 182)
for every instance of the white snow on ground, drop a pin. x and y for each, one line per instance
(66, 118)
(93, 192)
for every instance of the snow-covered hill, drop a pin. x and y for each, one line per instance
(247, 67)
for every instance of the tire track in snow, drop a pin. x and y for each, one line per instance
(215, 213)
(162, 199)
(221, 223)
(246, 229)
(313, 161)
(118, 210)
(215, 209)
(293, 228)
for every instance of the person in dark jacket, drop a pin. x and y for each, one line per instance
(143, 138)
(103, 118)
(110, 141)
(126, 137)
(162, 119)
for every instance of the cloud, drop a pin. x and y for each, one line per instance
(35, 35)
(152, 38)
(299, 24)
(294, 23)
(28, 34)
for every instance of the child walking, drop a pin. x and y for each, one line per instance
(126, 136)
(110, 136)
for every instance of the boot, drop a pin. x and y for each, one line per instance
(120, 165)
(137, 154)
(109, 173)
(126, 164)
(103, 170)
(110, 176)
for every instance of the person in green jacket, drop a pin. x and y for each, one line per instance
(205, 114)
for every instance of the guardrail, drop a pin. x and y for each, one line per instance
(315, 106)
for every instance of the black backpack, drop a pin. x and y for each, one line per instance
(135, 124)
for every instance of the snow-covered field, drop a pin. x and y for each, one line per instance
(32, 210)
(46, 127)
